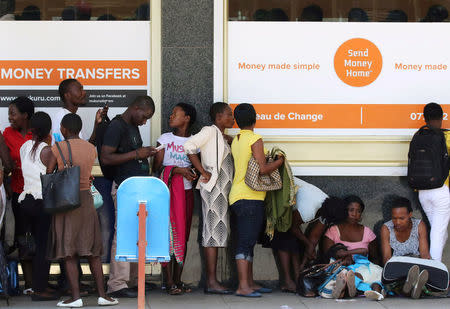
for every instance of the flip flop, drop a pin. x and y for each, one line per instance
(374, 295)
(351, 284)
(218, 292)
(184, 287)
(174, 290)
(288, 291)
(251, 295)
(264, 290)
(340, 285)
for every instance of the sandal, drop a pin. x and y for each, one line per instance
(185, 288)
(174, 290)
(374, 295)
(340, 285)
(286, 290)
(351, 284)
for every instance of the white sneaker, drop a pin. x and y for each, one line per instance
(374, 295)
(28, 291)
(104, 302)
(75, 304)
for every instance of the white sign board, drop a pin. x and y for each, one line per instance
(338, 78)
(110, 59)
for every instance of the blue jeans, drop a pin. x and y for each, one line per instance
(249, 220)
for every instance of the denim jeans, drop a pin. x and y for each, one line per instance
(249, 222)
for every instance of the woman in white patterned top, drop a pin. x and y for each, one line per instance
(404, 235)
(216, 170)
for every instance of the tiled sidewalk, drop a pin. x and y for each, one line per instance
(276, 300)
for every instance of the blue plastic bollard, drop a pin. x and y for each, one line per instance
(155, 193)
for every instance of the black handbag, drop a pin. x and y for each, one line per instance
(311, 278)
(61, 189)
(27, 246)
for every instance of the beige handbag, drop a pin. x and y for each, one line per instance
(259, 182)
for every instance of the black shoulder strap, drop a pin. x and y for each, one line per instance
(431, 129)
(61, 154)
(70, 153)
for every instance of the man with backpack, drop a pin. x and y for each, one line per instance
(122, 156)
(428, 170)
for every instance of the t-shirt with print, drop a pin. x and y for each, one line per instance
(174, 153)
(125, 138)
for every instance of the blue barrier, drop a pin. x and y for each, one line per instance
(154, 192)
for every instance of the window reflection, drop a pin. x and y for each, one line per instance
(312, 13)
(357, 15)
(339, 10)
(74, 10)
(397, 16)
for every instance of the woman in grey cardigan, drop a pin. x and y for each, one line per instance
(216, 170)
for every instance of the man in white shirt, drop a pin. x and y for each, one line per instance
(73, 96)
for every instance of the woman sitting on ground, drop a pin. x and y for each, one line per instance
(404, 235)
(360, 242)
(288, 245)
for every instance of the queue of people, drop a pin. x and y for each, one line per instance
(217, 165)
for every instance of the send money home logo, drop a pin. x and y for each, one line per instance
(358, 62)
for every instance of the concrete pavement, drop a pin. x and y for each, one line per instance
(160, 300)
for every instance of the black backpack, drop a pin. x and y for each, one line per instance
(428, 164)
(108, 171)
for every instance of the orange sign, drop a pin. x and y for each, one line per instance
(358, 62)
(88, 72)
(342, 116)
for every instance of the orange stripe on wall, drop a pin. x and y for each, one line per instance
(342, 116)
(88, 72)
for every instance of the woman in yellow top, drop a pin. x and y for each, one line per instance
(247, 205)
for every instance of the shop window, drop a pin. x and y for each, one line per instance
(339, 10)
(74, 10)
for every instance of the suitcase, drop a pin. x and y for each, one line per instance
(398, 266)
